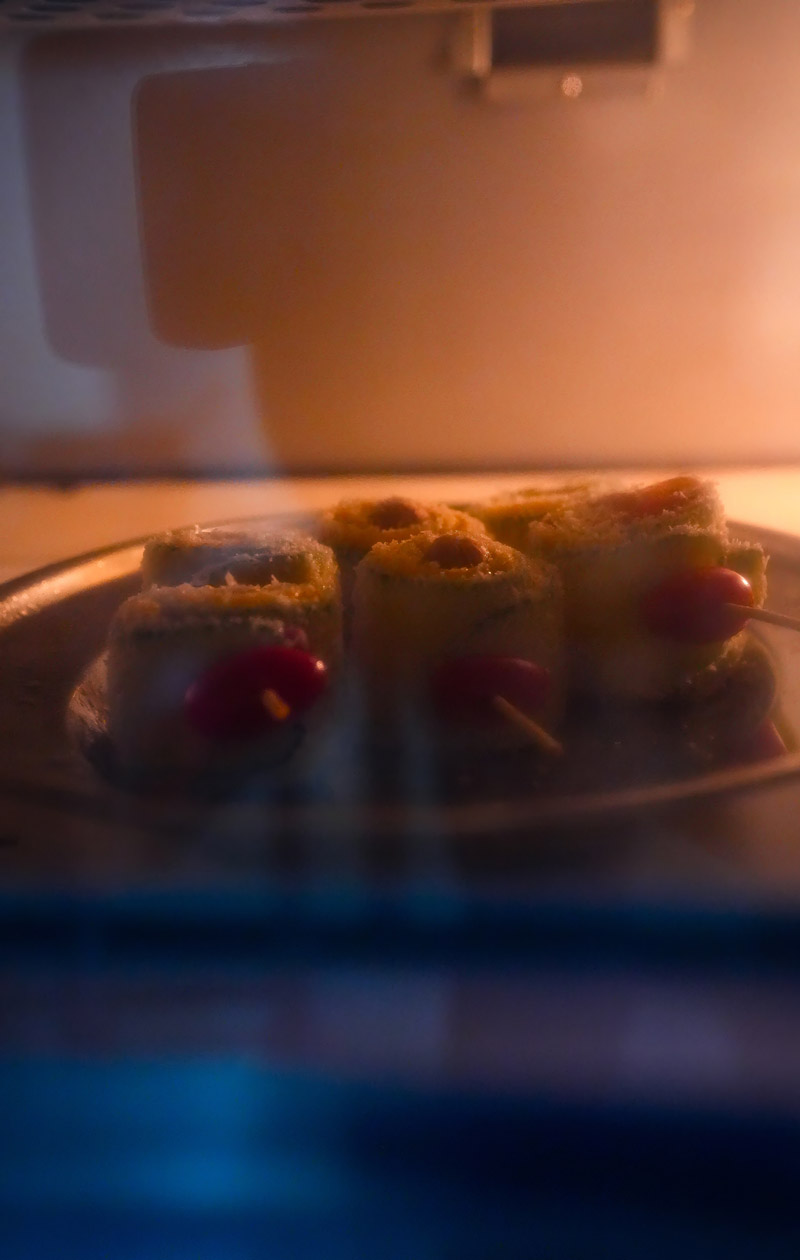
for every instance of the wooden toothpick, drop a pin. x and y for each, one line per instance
(275, 705)
(543, 740)
(764, 614)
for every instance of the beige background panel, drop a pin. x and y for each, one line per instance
(329, 254)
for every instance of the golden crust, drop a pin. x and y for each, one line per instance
(679, 505)
(508, 516)
(163, 606)
(200, 554)
(407, 558)
(348, 526)
(750, 560)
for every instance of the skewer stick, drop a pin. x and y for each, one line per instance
(275, 705)
(536, 733)
(764, 614)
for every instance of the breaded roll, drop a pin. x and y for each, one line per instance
(251, 557)
(611, 551)
(435, 597)
(162, 640)
(353, 526)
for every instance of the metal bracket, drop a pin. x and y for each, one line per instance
(496, 49)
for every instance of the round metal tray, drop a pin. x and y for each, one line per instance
(66, 824)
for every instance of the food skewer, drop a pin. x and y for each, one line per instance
(708, 604)
(210, 673)
(244, 695)
(647, 574)
(464, 633)
(474, 688)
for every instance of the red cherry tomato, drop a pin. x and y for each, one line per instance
(691, 606)
(463, 689)
(227, 701)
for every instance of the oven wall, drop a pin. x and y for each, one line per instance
(312, 247)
